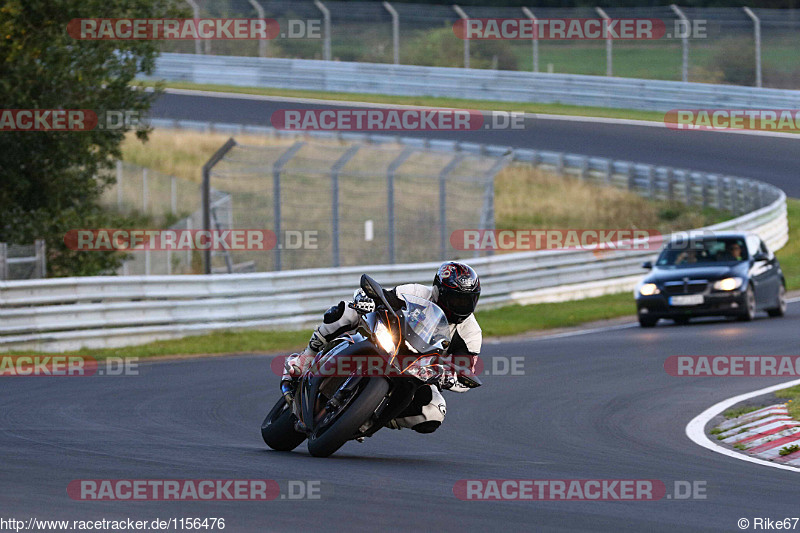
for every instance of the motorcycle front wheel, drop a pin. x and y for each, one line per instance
(324, 443)
(278, 431)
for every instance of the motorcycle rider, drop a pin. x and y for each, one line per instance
(456, 289)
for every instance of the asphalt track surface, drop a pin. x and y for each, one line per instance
(595, 406)
(592, 406)
(774, 160)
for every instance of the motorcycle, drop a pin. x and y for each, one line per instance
(407, 335)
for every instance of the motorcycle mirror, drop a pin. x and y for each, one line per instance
(369, 289)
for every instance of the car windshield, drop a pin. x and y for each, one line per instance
(425, 322)
(703, 252)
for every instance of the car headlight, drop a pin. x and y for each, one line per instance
(728, 284)
(384, 337)
(649, 289)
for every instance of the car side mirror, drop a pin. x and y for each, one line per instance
(760, 256)
(648, 265)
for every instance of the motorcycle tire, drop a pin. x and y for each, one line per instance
(278, 431)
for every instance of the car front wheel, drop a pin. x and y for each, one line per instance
(749, 311)
(781, 309)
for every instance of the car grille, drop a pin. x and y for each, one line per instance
(689, 287)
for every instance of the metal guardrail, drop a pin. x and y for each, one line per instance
(472, 84)
(71, 313)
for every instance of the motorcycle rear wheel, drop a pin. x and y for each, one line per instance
(346, 426)
(278, 431)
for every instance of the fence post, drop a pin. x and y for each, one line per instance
(670, 185)
(41, 257)
(3, 261)
(326, 16)
(757, 38)
(487, 212)
(609, 69)
(173, 203)
(119, 185)
(463, 16)
(262, 43)
(395, 31)
(206, 194)
(393, 166)
(534, 39)
(335, 169)
(196, 15)
(277, 168)
(684, 40)
(145, 195)
(443, 203)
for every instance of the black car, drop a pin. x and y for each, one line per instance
(729, 274)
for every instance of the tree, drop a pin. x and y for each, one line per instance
(49, 180)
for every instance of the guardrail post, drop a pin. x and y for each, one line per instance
(443, 203)
(3, 261)
(335, 169)
(395, 31)
(757, 38)
(584, 170)
(631, 177)
(262, 43)
(670, 185)
(609, 68)
(206, 193)
(326, 43)
(41, 257)
(704, 188)
(277, 168)
(560, 164)
(464, 17)
(684, 41)
(651, 182)
(534, 39)
(687, 188)
(609, 168)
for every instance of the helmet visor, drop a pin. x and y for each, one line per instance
(460, 304)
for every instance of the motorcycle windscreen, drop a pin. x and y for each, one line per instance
(426, 325)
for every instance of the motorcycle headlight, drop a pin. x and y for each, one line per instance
(649, 289)
(728, 284)
(384, 337)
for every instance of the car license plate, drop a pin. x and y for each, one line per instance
(689, 299)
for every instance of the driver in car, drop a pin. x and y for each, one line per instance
(456, 289)
(733, 252)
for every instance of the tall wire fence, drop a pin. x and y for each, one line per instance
(726, 45)
(352, 204)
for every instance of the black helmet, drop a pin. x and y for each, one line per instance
(457, 290)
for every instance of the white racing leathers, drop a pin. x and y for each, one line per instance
(427, 410)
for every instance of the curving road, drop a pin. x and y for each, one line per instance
(593, 406)
(589, 406)
(771, 159)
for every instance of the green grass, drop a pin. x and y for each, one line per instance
(791, 394)
(736, 412)
(427, 101)
(789, 255)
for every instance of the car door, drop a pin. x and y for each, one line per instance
(762, 272)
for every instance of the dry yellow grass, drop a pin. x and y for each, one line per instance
(182, 153)
(525, 197)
